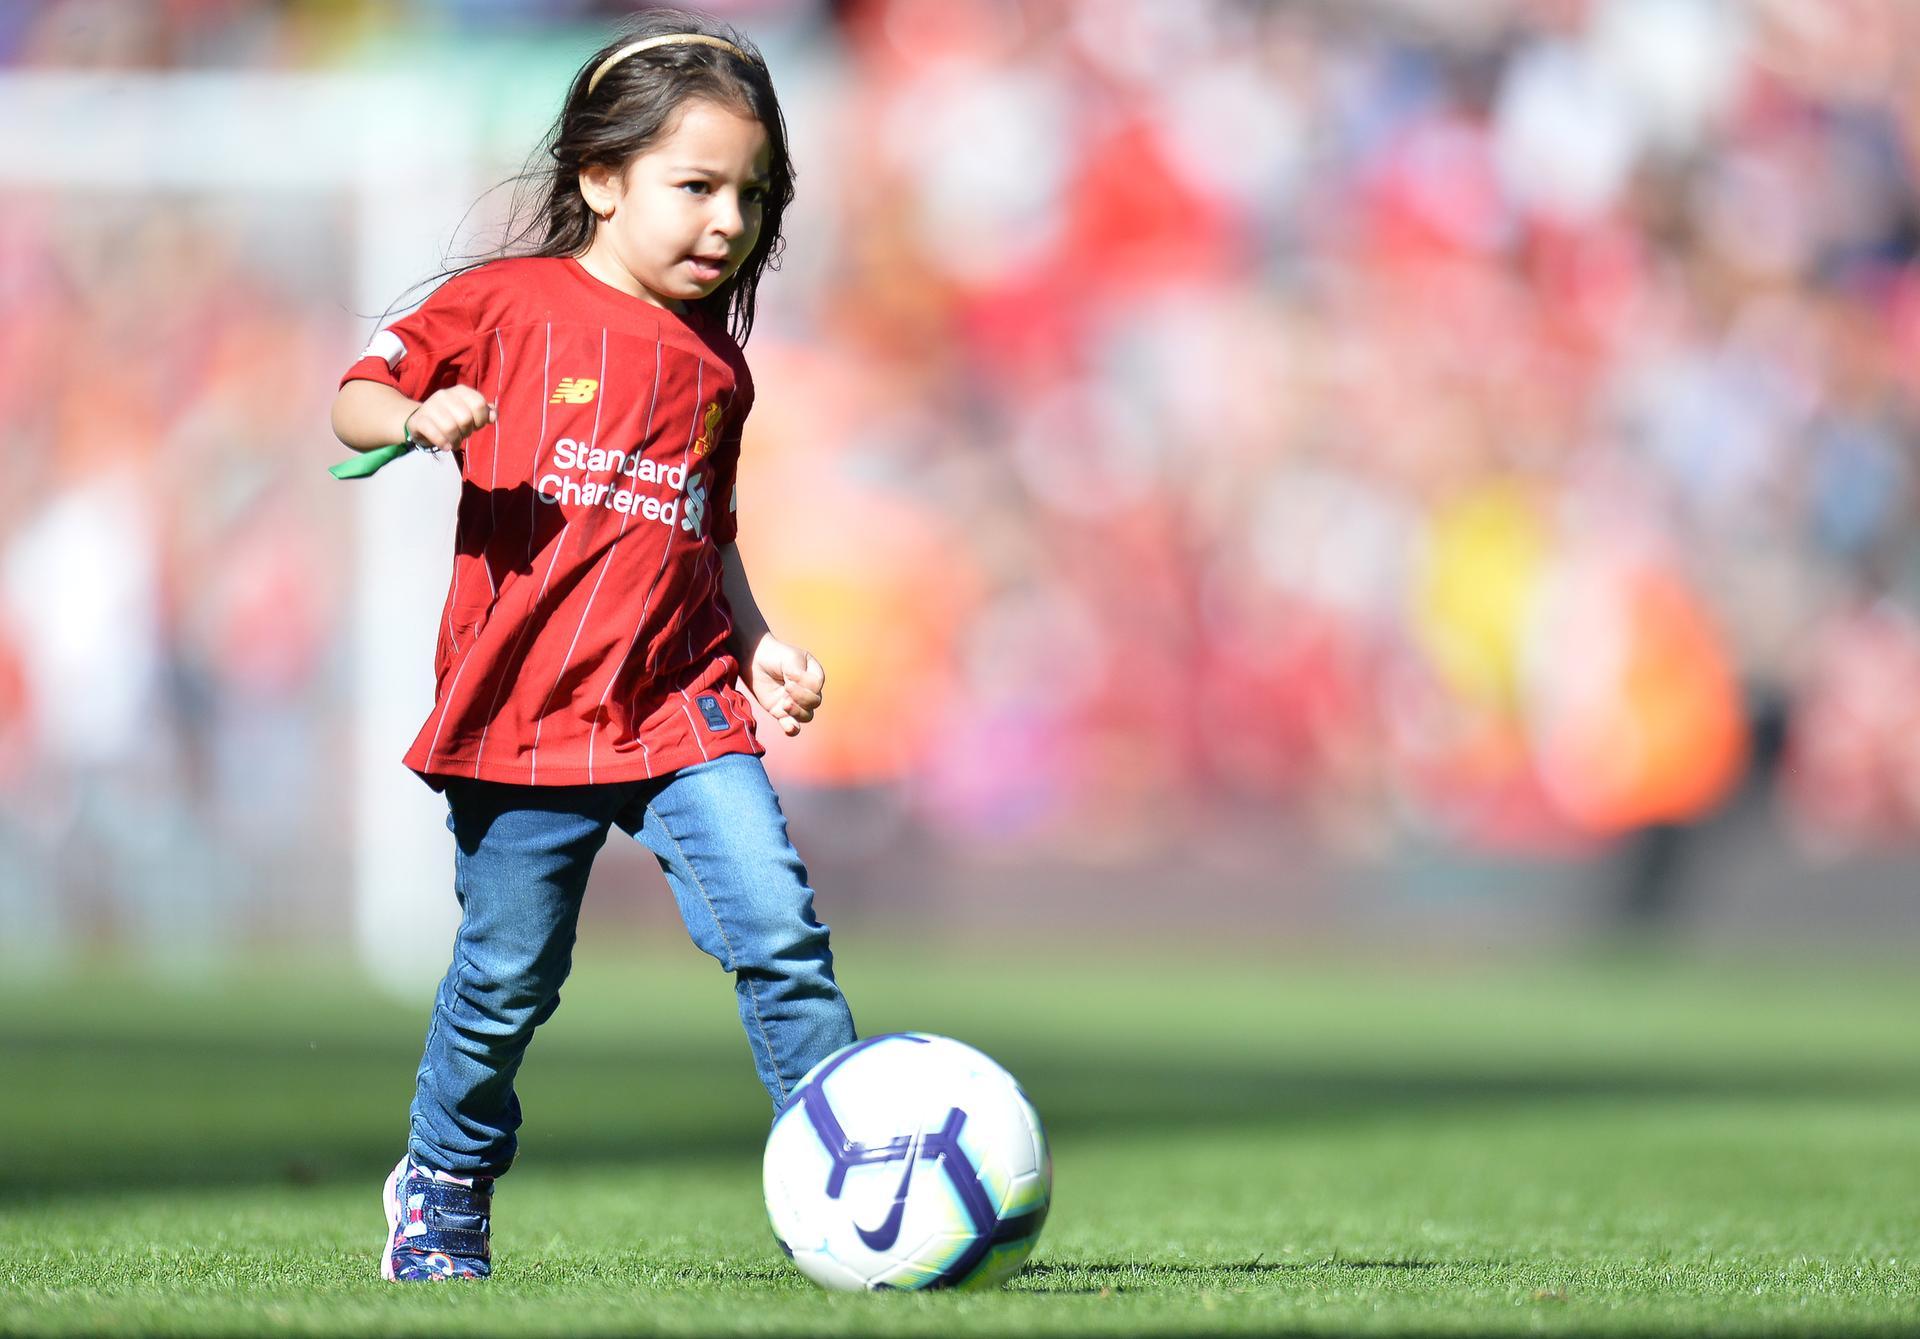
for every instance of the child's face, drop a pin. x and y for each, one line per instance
(687, 211)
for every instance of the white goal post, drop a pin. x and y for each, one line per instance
(408, 154)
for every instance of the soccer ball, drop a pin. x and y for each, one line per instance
(908, 1161)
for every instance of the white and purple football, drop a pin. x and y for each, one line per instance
(908, 1161)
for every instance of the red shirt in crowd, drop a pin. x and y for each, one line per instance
(585, 633)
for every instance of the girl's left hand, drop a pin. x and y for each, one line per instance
(787, 681)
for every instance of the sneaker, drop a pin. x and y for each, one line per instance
(437, 1225)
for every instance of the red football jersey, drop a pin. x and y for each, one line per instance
(585, 632)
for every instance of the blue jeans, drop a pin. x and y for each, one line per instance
(520, 869)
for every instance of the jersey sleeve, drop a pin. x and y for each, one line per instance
(726, 472)
(421, 352)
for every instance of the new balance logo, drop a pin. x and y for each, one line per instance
(574, 390)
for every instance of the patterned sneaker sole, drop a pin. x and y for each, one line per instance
(390, 1202)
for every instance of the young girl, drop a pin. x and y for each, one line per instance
(592, 393)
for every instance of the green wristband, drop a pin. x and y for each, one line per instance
(367, 462)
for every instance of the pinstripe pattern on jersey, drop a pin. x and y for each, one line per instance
(593, 440)
(448, 698)
(666, 550)
(646, 433)
(527, 622)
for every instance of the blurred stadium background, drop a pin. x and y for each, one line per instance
(1396, 472)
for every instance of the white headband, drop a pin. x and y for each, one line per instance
(670, 39)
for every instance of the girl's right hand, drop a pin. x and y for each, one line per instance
(447, 418)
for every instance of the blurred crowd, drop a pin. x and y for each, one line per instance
(1487, 421)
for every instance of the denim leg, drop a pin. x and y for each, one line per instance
(520, 867)
(720, 837)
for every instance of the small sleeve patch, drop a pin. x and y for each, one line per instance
(716, 719)
(387, 347)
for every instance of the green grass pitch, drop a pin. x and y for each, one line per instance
(1260, 1145)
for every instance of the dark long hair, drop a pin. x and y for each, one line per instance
(636, 102)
